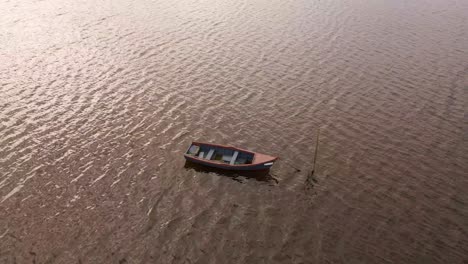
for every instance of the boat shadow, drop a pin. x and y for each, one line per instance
(239, 176)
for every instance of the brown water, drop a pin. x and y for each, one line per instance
(98, 100)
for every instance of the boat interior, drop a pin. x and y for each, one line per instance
(220, 154)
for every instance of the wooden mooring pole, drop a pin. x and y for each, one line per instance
(316, 153)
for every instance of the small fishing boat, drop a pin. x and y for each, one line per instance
(227, 157)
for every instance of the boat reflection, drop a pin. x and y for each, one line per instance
(239, 176)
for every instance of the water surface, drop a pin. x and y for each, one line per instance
(98, 99)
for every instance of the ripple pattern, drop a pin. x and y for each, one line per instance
(98, 99)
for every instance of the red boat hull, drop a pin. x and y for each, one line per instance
(259, 162)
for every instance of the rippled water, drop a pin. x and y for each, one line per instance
(98, 100)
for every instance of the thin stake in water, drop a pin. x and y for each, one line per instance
(310, 178)
(316, 152)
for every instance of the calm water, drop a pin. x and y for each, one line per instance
(98, 99)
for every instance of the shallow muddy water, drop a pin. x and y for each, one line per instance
(99, 99)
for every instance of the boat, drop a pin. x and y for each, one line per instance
(228, 157)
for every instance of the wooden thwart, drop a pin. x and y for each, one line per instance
(234, 157)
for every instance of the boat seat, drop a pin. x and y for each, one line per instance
(201, 154)
(210, 154)
(234, 157)
(193, 150)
